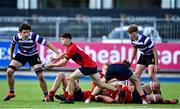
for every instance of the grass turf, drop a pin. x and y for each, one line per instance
(29, 95)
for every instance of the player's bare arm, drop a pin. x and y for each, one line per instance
(12, 51)
(104, 98)
(156, 67)
(52, 47)
(60, 56)
(61, 63)
(133, 54)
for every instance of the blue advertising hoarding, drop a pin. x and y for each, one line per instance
(5, 55)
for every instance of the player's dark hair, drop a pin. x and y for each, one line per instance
(66, 35)
(132, 28)
(24, 26)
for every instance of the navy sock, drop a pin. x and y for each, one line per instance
(11, 90)
(45, 93)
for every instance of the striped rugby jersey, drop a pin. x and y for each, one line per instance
(28, 47)
(144, 44)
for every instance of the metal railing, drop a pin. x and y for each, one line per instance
(90, 28)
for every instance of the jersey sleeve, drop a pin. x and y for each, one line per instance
(14, 39)
(149, 43)
(39, 39)
(133, 44)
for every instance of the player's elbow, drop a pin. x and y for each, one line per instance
(63, 64)
(64, 61)
(47, 43)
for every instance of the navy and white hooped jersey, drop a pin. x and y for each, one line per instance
(144, 44)
(28, 47)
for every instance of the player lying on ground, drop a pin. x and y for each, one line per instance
(121, 72)
(129, 94)
(61, 78)
(27, 52)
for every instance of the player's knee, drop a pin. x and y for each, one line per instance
(38, 71)
(71, 78)
(134, 79)
(60, 75)
(154, 85)
(157, 85)
(10, 71)
(11, 68)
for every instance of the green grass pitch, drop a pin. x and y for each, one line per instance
(29, 95)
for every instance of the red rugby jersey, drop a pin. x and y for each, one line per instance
(79, 56)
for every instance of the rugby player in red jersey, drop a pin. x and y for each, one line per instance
(88, 66)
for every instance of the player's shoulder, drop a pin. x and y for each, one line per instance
(142, 37)
(72, 46)
(32, 34)
(17, 36)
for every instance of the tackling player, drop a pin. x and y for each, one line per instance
(120, 71)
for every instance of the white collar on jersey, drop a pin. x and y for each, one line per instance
(20, 37)
(139, 36)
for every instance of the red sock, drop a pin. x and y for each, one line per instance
(143, 97)
(51, 93)
(65, 94)
(70, 97)
(117, 90)
(92, 97)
